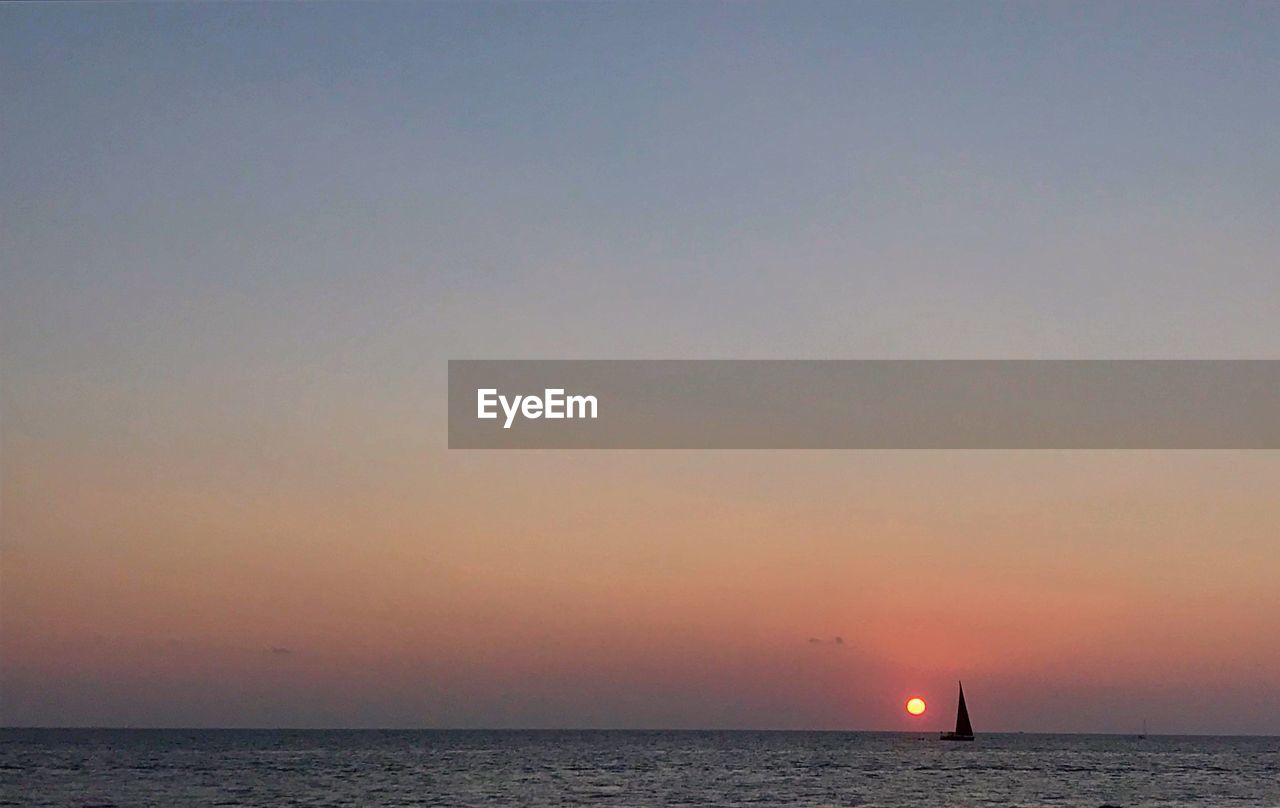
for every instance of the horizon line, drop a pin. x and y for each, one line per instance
(158, 728)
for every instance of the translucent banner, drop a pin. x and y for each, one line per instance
(864, 404)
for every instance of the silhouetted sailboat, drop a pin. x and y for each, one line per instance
(964, 730)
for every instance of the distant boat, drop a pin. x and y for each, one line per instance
(964, 730)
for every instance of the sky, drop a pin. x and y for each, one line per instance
(241, 241)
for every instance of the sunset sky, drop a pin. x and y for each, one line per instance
(240, 243)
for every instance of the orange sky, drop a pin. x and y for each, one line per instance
(644, 589)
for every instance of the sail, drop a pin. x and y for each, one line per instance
(963, 727)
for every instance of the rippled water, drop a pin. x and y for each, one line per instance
(459, 768)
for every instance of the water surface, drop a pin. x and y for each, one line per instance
(626, 768)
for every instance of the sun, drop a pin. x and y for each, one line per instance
(916, 705)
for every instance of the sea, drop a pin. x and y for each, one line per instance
(108, 767)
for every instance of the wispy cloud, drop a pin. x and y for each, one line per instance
(823, 641)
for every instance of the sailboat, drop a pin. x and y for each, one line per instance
(964, 730)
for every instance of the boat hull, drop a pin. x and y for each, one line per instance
(951, 736)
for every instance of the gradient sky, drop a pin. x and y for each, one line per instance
(241, 241)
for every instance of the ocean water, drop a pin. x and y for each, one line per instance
(537, 768)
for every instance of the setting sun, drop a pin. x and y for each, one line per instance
(916, 705)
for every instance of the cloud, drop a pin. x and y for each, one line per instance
(280, 650)
(821, 641)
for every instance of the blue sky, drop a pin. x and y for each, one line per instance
(837, 179)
